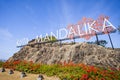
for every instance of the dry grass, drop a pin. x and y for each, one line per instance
(16, 76)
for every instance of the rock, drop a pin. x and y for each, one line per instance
(51, 53)
(23, 74)
(2, 69)
(11, 71)
(40, 77)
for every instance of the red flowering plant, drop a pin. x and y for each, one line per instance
(68, 70)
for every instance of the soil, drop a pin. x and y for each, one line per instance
(16, 76)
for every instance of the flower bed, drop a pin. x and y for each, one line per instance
(70, 71)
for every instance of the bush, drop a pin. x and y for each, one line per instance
(1, 64)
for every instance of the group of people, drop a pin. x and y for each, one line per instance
(23, 74)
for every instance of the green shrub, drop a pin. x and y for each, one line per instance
(1, 64)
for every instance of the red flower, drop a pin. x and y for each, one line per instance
(84, 77)
(102, 79)
(112, 73)
(88, 71)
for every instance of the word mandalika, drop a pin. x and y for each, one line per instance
(88, 27)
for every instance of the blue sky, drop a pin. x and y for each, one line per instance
(28, 18)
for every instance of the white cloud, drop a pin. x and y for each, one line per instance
(5, 34)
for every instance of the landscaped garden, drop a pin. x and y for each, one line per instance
(69, 71)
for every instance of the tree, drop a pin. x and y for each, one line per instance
(46, 39)
(49, 38)
(102, 42)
